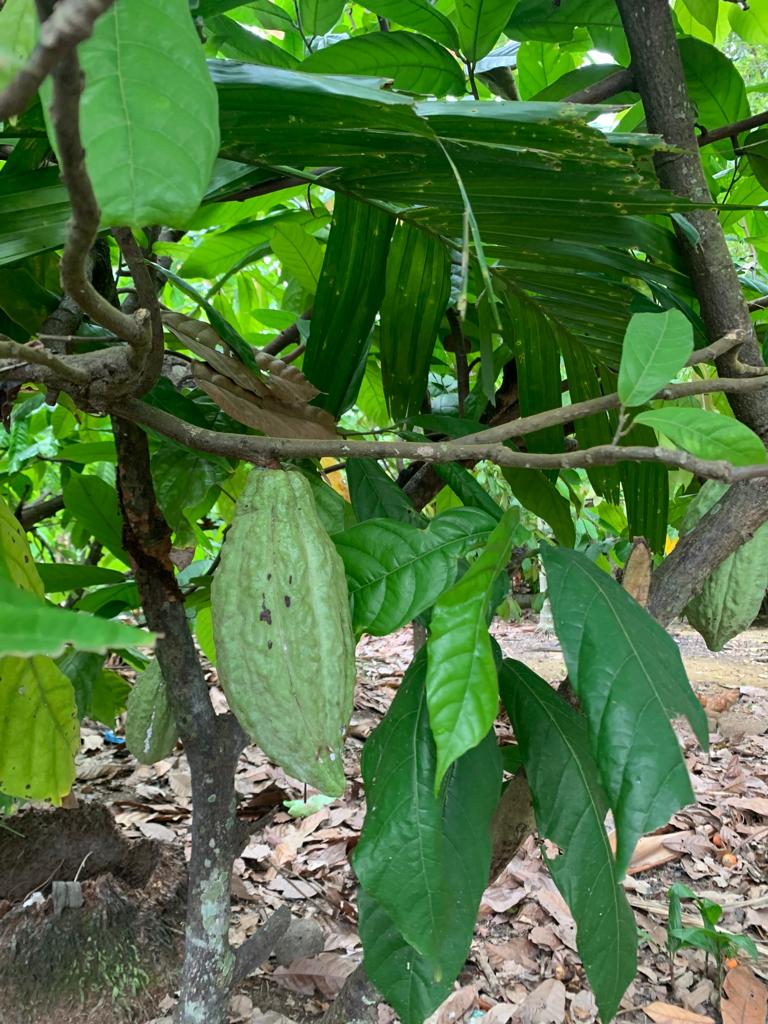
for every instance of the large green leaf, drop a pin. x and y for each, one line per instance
(630, 680)
(415, 63)
(462, 688)
(148, 114)
(656, 348)
(418, 15)
(480, 23)
(752, 24)
(424, 856)
(570, 809)
(32, 627)
(396, 571)
(319, 16)
(715, 86)
(93, 503)
(555, 22)
(184, 478)
(418, 286)
(706, 434)
(39, 733)
(348, 297)
(374, 493)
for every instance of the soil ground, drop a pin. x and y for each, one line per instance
(523, 965)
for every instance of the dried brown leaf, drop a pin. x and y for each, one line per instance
(455, 1006)
(326, 972)
(666, 1013)
(747, 998)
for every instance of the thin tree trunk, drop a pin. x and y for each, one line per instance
(212, 744)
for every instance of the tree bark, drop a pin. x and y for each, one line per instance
(212, 743)
(660, 80)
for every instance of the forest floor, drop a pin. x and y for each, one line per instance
(523, 966)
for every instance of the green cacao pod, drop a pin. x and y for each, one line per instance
(150, 725)
(731, 597)
(282, 630)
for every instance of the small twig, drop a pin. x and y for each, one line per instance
(717, 348)
(70, 23)
(146, 291)
(729, 131)
(620, 426)
(290, 336)
(16, 350)
(293, 356)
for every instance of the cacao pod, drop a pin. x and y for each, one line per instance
(150, 725)
(282, 629)
(731, 597)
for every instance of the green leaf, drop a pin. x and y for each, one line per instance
(646, 492)
(480, 23)
(462, 689)
(60, 576)
(705, 12)
(109, 698)
(236, 41)
(630, 680)
(756, 148)
(183, 479)
(418, 287)
(204, 633)
(18, 24)
(374, 494)
(396, 571)
(656, 347)
(706, 434)
(34, 211)
(714, 84)
(537, 357)
(570, 809)
(39, 733)
(319, 16)
(32, 627)
(465, 487)
(299, 253)
(413, 62)
(424, 857)
(16, 565)
(348, 297)
(536, 493)
(150, 149)
(752, 24)
(418, 15)
(555, 22)
(93, 503)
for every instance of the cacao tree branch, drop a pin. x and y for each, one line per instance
(84, 224)
(70, 23)
(257, 947)
(730, 131)
(612, 85)
(36, 511)
(263, 449)
(68, 372)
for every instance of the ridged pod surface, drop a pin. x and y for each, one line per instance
(281, 624)
(732, 595)
(150, 725)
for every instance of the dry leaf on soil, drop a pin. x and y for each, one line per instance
(455, 1006)
(747, 998)
(326, 973)
(545, 1005)
(666, 1013)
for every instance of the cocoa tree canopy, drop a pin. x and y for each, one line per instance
(475, 284)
